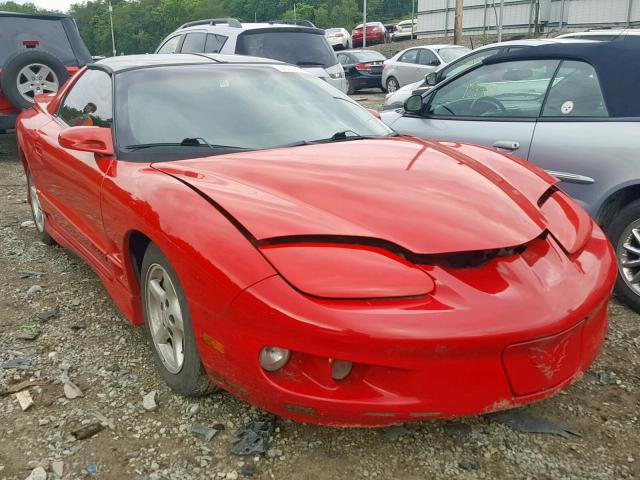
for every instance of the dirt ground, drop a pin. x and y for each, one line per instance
(109, 361)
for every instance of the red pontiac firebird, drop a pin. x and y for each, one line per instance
(278, 241)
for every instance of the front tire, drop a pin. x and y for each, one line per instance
(169, 328)
(392, 85)
(39, 217)
(624, 233)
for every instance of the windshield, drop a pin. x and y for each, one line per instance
(295, 47)
(233, 107)
(450, 54)
(371, 56)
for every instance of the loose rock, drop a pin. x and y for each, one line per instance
(149, 401)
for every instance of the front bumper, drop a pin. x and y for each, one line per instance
(489, 338)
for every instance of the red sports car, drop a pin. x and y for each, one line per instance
(278, 241)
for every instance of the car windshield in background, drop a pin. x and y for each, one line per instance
(233, 108)
(372, 56)
(451, 54)
(296, 47)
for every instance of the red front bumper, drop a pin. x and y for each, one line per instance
(493, 337)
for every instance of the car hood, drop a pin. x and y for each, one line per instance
(427, 197)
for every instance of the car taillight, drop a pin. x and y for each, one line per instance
(363, 66)
(30, 43)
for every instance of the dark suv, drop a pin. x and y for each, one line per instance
(37, 55)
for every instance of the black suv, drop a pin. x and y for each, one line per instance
(37, 55)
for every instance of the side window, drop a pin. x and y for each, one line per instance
(89, 102)
(508, 89)
(427, 57)
(171, 45)
(575, 93)
(214, 43)
(194, 43)
(410, 57)
(467, 62)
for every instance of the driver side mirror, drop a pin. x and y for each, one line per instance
(96, 140)
(431, 79)
(414, 104)
(435, 62)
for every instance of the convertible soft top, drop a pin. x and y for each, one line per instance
(615, 62)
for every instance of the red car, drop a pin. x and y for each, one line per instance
(279, 241)
(376, 33)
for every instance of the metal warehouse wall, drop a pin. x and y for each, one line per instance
(435, 17)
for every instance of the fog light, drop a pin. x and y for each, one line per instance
(340, 369)
(273, 358)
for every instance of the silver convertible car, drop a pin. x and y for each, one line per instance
(572, 109)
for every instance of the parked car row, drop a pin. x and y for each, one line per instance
(326, 262)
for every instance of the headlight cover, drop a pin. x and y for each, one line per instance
(347, 271)
(567, 221)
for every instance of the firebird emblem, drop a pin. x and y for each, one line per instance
(549, 362)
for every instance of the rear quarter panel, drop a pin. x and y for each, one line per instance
(608, 152)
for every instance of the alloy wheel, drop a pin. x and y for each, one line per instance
(629, 256)
(36, 79)
(392, 85)
(165, 318)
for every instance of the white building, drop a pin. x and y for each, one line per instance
(435, 17)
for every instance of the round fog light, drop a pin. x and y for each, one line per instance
(340, 369)
(273, 358)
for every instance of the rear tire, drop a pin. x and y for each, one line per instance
(169, 328)
(28, 73)
(350, 89)
(39, 218)
(392, 85)
(624, 234)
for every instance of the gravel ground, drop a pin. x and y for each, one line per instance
(108, 360)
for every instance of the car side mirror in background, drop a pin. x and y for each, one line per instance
(431, 79)
(413, 104)
(96, 140)
(435, 62)
(375, 113)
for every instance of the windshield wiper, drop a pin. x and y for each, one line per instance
(343, 136)
(186, 142)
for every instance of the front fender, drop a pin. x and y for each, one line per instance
(213, 260)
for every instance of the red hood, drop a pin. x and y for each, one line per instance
(424, 196)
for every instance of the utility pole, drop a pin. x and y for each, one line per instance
(457, 23)
(500, 21)
(413, 17)
(113, 38)
(364, 24)
(560, 25)
(295, 15)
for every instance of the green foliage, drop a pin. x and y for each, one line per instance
(24, 8)
(140, 25)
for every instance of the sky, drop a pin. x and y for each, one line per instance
(62, 5)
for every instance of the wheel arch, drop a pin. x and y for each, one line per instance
(616, 201)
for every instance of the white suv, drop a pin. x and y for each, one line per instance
(302, 46)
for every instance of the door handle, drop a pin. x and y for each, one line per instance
(506, 145)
